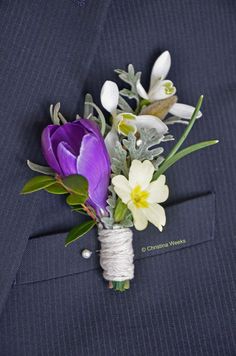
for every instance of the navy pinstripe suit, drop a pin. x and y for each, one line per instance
(54, 302)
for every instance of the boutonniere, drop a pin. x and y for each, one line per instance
(113, 170)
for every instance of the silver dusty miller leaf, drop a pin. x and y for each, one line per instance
(157, 162)
(131, 78)
(124, 106)
(88, 109)
(127, 221)
(168, 138)
(108, 221)
(146, 146)
(56, 115)
(40, 169)
(119, 161)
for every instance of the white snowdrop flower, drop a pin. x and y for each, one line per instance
(125, 123)
(160, 88)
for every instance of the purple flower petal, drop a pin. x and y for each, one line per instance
(71, 132)
(94, 164)
(66, 158)
(79, 148)
(47, 148)
(90, 126)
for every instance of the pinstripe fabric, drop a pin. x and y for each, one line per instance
(180, 303)
(46, 257)
(46, 51)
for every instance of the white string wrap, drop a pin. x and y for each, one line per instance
(116, 254)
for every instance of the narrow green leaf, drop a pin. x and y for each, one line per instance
(101, 117)
(187, 130)
(79, 231)
(76, 184)
(37, 183)
(186, 151)
(74, 199)
(56, 189)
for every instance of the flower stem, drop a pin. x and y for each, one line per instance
(120, 286)
(142, 103)
(89, 212)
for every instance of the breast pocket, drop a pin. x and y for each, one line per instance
(79, 2)
(189, 223)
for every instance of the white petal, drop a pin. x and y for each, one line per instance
(140, 173)
(151, 122)
(110, 96)
(155, 213)
(184, 111)
(110, 141)
(158, 190)
(122, 188)
(160, 68)
(141, 91)
(140, 220)
(158, 92)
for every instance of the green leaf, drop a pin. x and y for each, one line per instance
(77, 184)
(181, 154)
(120, 211)
(37, 183)
(187, 130)
(56, 189)
(74, 199)
(79, 231)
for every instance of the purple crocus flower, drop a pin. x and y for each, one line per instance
(78, 148)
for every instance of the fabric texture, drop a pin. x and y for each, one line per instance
(54, 302)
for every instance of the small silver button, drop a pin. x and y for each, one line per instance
(86, 253)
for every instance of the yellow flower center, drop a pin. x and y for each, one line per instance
(169, 88)
(139, 197)
(125, 129)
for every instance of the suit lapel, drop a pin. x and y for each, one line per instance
(46, 54)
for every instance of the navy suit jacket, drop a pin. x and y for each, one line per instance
(54, 302)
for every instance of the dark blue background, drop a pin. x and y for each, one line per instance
(181, 302)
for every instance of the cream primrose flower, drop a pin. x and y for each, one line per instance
(143, 196)
(125, 123)
(160, 88)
